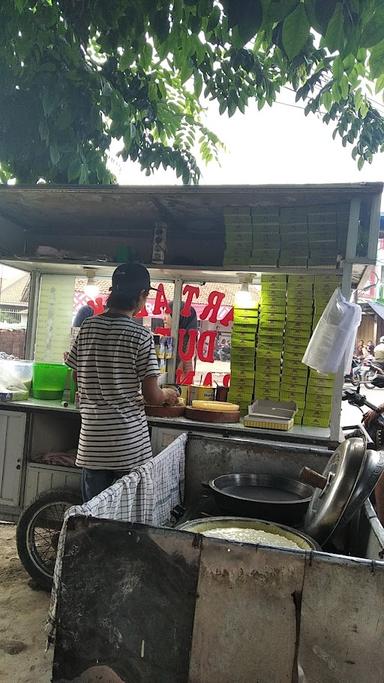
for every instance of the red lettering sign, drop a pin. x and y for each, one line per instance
(189, 352)
(206, 346)
(228, 318)
(190, 291)
(226, 380)
(212, 308)
(184, 379)
(161, 303)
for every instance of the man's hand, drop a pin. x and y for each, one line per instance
(171, 396)
(371, 414)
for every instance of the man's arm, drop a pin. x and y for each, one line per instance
(155, 396)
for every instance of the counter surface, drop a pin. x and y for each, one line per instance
(298, 434)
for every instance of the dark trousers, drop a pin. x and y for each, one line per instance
(94, 482)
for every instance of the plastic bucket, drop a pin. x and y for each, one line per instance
(49, 380)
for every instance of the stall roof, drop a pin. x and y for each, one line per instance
(73, 208)
(196, 212)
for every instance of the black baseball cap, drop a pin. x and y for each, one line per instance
(131, 276)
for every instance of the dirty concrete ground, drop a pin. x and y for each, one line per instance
(23, 612)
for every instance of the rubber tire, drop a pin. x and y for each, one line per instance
(365, 379)
(54, 496)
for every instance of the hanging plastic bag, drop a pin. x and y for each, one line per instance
(333, 340)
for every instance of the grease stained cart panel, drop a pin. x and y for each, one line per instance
(137, 621)
(246, 614)
(342, 622)
(12, 429)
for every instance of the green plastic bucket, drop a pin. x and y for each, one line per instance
(49, 380)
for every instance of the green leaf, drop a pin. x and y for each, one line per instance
(360, 163)
(277, 10)
(363, 109)
(344, 86)
(358, 98)
(146, 55)
(295, 31)
(214, 19)
(125, 60)
(373, 31)
(334, 37)
(338, 68)
(327, 100)
(198, 84)
(323, 11)
(74, 169)
(250, 19)
(161, 24)
(83, 178)
(379, 84)
(54, 154)
(376, 61)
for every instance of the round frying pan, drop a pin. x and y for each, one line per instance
(265, 496)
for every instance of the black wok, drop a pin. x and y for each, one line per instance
(264, 496)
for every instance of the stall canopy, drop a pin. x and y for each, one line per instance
(377, 307)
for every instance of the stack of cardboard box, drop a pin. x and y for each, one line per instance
(243, 343)
(238, 235)
(266, 236)
(298, 329)
(270, 337)
(318, 402)
(294, 243)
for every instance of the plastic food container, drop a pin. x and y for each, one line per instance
(16, 375)
(49, 380)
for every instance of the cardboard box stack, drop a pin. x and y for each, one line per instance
(266, 236)
(238, 235)
(298, 329)
(323, 236)
(270, 337)
(243, 344)
(294, 243)
(318, 403)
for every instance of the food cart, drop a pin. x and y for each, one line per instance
(190, 238)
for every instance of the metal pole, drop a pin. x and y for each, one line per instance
(374, 227)
(34, 293)
(177, 302)
(353, 229)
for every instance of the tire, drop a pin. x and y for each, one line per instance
(37, 549)
(367, 377)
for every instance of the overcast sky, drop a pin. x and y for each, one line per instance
(277, 145)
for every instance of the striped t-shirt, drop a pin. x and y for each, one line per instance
(112, 356)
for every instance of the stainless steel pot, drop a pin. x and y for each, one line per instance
(264, 496)
(199, 526)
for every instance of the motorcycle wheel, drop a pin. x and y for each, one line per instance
(367, 378)
(38, 531)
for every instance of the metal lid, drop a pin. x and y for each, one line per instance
(348, 479)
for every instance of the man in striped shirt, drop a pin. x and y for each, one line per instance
(115, 360)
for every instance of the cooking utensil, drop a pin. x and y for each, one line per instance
(198, 526)
(266, 496)
(348, 479)
(199, 415)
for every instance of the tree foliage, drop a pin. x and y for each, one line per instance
(75, 74)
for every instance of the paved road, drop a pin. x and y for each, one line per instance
(351, 415)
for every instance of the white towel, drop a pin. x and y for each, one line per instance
(146, 495)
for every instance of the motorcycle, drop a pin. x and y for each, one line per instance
(371, 372)
(375, 428)
(365, 372)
